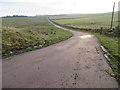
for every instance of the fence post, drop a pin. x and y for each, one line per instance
(101, 31)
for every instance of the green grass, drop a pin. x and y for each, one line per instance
(93, 21)
(111, 44)
(96, 21)
(29, 33)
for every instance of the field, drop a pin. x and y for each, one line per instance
(21, 34)
(90, 23)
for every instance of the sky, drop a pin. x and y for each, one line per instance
(41, 7)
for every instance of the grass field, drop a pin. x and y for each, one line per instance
(96, 21)
(93, 21)
(21, 34)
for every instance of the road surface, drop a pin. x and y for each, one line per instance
(75, 63)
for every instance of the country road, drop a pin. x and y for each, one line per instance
(75, 63)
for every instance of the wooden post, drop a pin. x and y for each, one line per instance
(112, 16)
(101, 30)
(119, 35)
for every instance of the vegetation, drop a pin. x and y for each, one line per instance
(92, 23)
(22, 34)
(89, 21)
(111, 44)
(14, 16)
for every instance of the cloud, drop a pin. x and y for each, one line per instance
(33, 7)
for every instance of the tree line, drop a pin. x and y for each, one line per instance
(16, 16)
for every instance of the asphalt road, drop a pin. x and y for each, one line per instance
(75, 63)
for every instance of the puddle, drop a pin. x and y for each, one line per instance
(85, 36)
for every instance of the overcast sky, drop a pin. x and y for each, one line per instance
(33, 7)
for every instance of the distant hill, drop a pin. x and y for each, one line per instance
(54, 15)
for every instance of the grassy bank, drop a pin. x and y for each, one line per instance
(95, 21)
(21, 34)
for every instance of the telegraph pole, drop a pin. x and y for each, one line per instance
(112, 16)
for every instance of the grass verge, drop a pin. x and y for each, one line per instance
(29, 33)
(111, 44)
